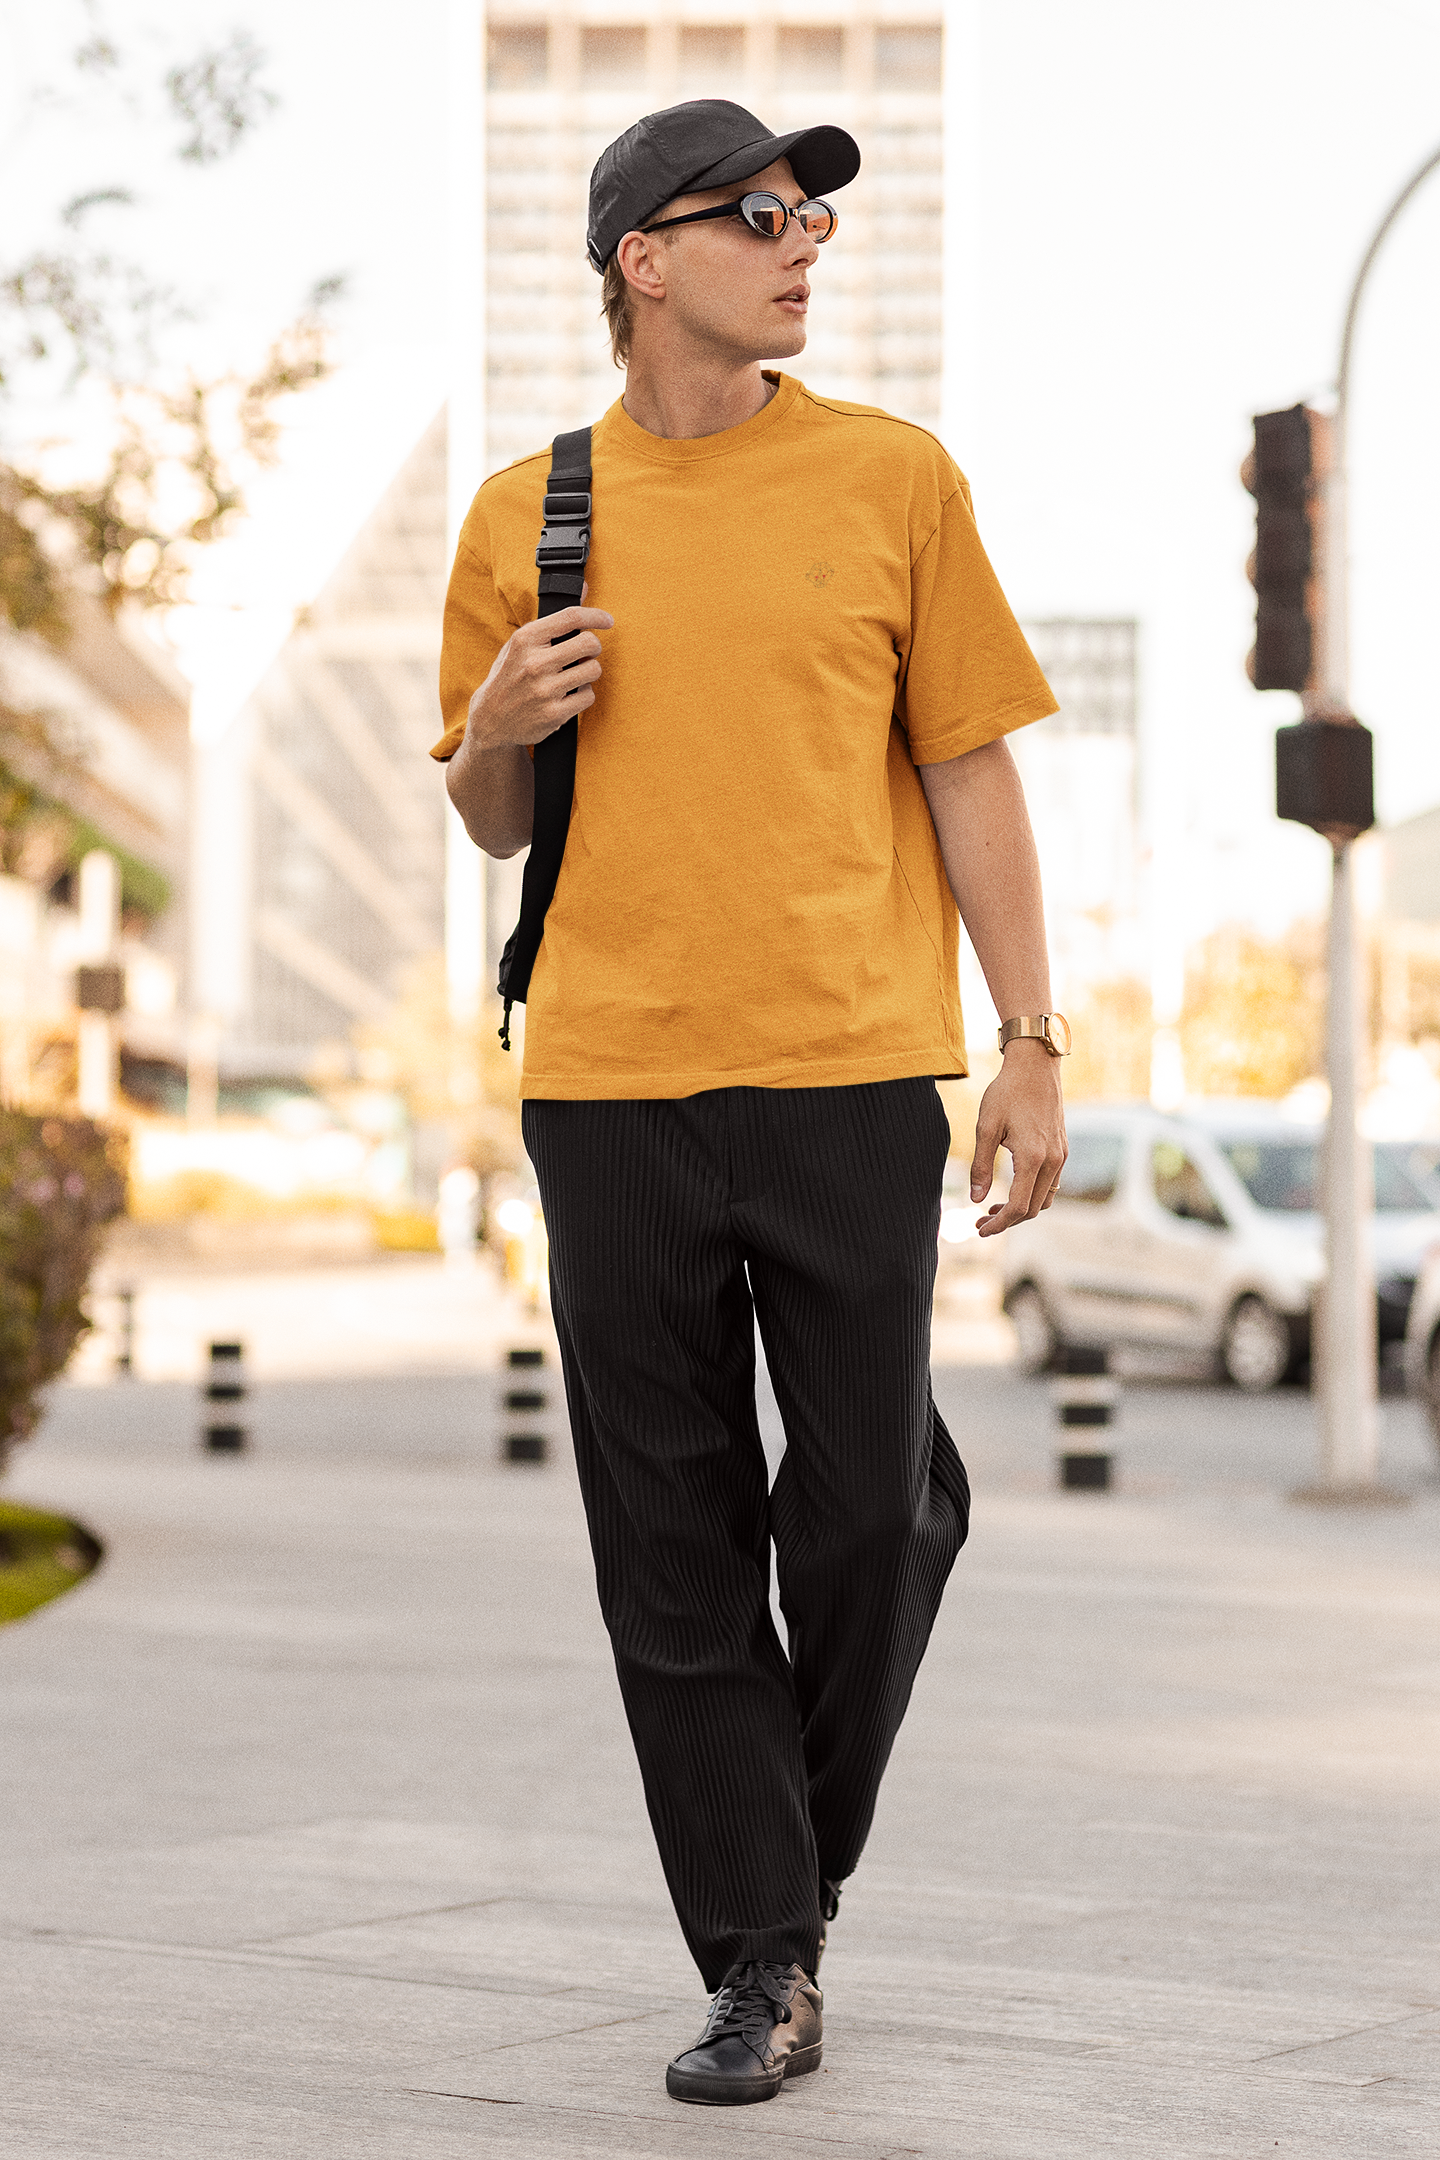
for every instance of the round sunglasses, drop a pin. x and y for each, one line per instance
(764, 214)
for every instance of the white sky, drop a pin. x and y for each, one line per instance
(1172, 203)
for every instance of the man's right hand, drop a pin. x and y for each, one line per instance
(536, 685)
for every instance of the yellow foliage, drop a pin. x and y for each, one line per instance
(1254, 1015)
(1111, 1024)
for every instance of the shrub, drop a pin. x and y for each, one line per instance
(62, 1179)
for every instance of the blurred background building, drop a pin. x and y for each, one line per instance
(563, 82)
(1082, 782)
(94, 754)
(1405, 978)
(320, 868)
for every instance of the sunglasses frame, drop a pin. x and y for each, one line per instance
(740, 210)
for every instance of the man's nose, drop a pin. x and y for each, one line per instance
(800, 249)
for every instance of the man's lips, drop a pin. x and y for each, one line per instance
(797, 297)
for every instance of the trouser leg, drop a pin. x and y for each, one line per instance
(657, 1338)
(871, 1504)
(832, 1198)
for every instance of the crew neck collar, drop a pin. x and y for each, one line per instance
(628, 435)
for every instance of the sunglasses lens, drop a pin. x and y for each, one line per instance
(817, 220)
(765, 214)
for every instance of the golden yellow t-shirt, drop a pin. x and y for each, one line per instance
(752, 893)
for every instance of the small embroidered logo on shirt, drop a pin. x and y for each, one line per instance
(820, 574)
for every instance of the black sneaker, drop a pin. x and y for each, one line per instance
(764, 2026)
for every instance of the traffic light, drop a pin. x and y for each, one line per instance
(1324, 766)
(1325, 777)
(1291, 455)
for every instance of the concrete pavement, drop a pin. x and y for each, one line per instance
(324, 1836)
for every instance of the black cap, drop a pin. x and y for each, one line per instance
(706, 143)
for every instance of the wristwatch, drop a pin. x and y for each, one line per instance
(1053, 1029)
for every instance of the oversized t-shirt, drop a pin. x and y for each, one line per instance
(752, 893)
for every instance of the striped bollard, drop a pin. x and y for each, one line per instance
(1085, 1399)
(526, 1400)
(223, 1434)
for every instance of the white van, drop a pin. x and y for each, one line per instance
(1201, 1232)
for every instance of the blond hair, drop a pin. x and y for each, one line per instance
(617, 303)
(619, 313)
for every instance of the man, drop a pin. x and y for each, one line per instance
(794, 675)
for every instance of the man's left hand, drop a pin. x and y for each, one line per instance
(1022, 1111)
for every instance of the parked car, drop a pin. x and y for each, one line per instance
(1201, 1233)
(1422, 1340)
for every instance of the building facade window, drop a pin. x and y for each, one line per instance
(519, 56)
(612, 55)
(712, 59)
(810, 58)
(907, 56)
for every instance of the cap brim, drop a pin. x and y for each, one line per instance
(821, 158)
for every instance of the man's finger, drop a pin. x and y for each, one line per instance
(1003, 1218)
(1026, 1188)
(547, 628)
(982, 1165)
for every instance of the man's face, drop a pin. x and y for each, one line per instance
(729, 288)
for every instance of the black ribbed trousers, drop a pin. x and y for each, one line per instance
(676, 1226)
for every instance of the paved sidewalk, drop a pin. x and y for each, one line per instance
(324, 1836)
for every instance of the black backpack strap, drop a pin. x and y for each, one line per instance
(561, 557)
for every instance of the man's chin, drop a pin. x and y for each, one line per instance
(788, 348)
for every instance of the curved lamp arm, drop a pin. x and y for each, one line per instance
(1336, 658)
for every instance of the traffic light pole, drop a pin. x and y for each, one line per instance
(1346, 1350)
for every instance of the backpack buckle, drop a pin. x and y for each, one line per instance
(566, 509)
(569, 548)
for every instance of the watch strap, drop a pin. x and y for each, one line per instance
(1036, 1027)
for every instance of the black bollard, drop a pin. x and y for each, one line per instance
(125, 1354)
(525, 1400)
(1085, 1396)
(221, 1435)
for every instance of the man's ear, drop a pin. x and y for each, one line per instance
(639, 262)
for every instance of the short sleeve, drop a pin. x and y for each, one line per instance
(477, 624)
(970, 677)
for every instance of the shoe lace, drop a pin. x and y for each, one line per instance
(750, 2000)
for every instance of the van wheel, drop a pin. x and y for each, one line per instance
(1036, 1339)
(1255, 1349)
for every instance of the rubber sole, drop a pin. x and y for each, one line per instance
(702, 2091)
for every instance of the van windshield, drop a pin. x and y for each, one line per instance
(1400, 1183)
(1285, 1175)
(1093, 1170)
(1279, 1174)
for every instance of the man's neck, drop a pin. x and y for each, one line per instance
(683, 403)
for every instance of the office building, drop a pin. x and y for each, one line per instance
(94, 754)
(563, 82)
(320, 873)
(1082, 779)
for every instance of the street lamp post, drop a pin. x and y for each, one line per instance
(1347, 1348)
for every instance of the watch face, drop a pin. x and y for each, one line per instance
(1057, 1031)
